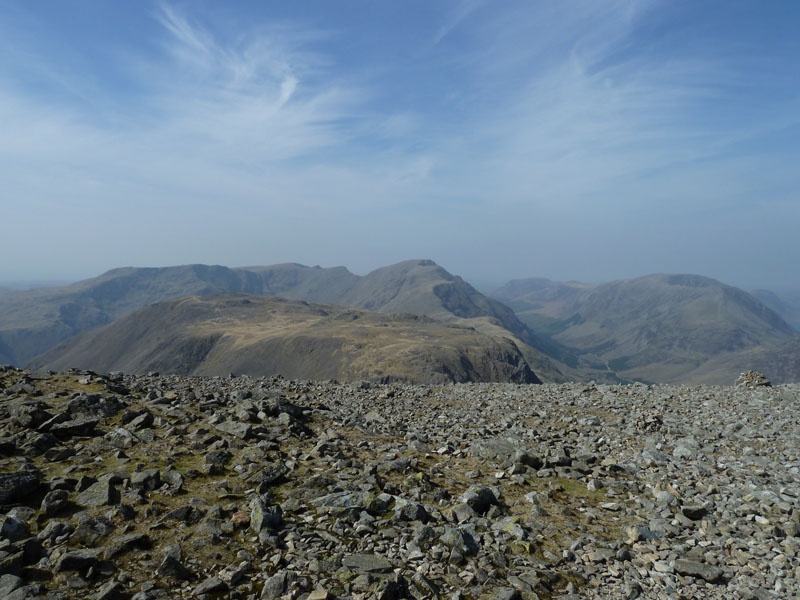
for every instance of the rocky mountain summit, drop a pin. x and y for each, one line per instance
(150, 487)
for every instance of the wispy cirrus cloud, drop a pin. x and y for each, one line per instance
(498, 116)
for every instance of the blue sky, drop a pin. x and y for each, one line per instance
(573, 140)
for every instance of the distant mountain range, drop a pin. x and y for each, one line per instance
(658, 328)
(246, 334)
(35, 321)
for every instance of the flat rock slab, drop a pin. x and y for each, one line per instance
(240, 430)
(694, 568)
(211, 585)
(367, 563)
(79, 427)
(101, 493)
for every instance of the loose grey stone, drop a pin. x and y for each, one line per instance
(211, 585)
(367, 563)
(705, 571)
(102, 493)
(77, 560)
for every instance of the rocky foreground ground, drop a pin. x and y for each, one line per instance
(176, 487)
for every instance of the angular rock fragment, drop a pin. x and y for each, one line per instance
(77, 560)
(76, 427)
(211, 585)
(367, 563)
(102, 493)
(479, 498)
(694, 568)
(172, 567)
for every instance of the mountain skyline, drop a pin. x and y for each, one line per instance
(591, 141)
(657, 328)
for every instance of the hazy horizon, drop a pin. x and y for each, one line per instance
(482, 284)
(586, 141)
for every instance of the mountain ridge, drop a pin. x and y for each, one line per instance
(216, 334)
(659, 327)
(34, 321)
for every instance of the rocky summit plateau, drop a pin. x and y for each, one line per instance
(149, 487)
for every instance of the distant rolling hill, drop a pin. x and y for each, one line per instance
(34, 321)
(658, 328)
(256, 335)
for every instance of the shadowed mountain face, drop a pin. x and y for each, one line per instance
(34, 321)
(223, 333)
(786, 304)
(657, 328)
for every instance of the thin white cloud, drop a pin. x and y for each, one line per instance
(463, 10)
(551, 113)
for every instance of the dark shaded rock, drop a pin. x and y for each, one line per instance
(695, 513)
(12, 564)
(30, 415)
(277, 585)
(459, 539)
(479, 498)
(143, 421)
(113, 590)
(271, 474)
(37, 444)
(32, 551)
(55, 502)
(148, 480)
(77, 560)
(13, 529)
(119, 545)
(90, 530)
(18, 485)
(77, 427)
(8, 446)
(263, 515)
(172, 567)
(53, 530)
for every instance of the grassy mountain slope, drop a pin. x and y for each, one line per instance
(256, 335)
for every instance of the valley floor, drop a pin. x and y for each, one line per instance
(177, 487)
